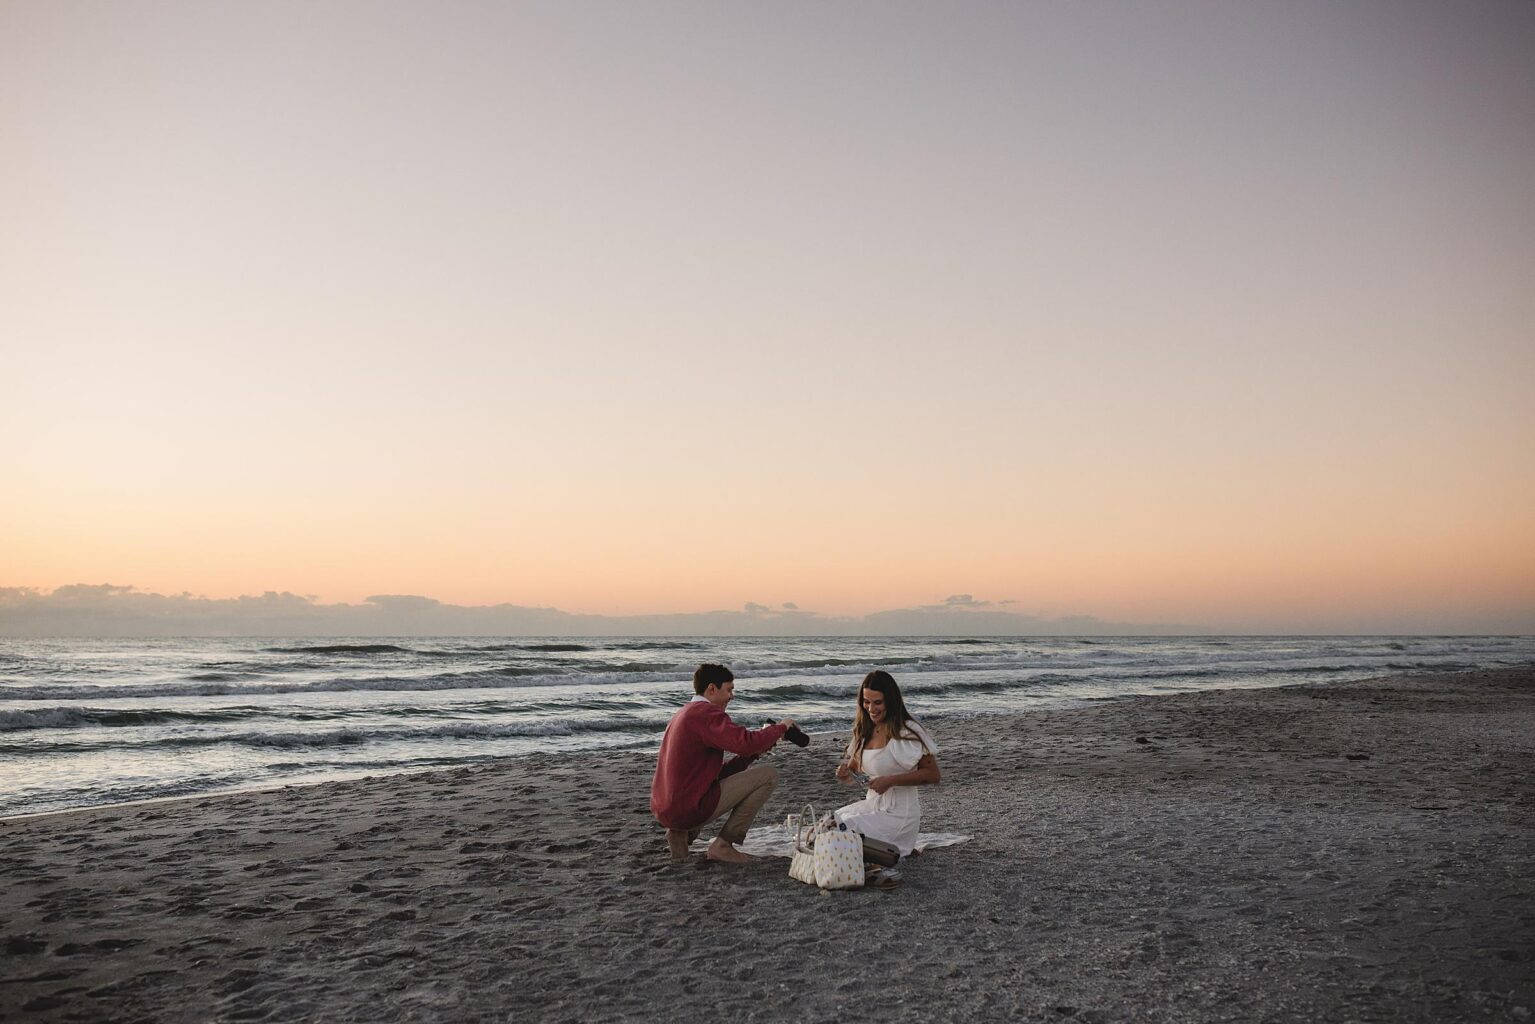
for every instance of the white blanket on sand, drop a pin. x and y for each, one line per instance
(778, 841)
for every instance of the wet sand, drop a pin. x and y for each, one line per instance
(1351, 852)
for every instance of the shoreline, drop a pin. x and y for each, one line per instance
(131, 722)
(648, 747)
(1282, 853)
(508, 759)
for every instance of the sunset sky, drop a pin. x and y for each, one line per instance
(1202, 313)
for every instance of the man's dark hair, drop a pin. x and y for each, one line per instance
(711, 675)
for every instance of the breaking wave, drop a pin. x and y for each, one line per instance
(342, 649)
(350, 736)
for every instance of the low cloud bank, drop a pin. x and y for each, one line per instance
(115, 611)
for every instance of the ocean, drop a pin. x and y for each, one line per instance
(90, 722)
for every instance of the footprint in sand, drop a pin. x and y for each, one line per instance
(580, 844)
(20, 945)
(314, 903)
(99, 946)
(42, 1003)
(246, 911)
(238, 980)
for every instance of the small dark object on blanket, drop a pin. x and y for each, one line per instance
(877, 851)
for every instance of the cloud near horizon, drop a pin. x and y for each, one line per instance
(113, 610)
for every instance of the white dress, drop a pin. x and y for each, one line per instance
(895, 814)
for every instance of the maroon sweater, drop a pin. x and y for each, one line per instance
(686, 789)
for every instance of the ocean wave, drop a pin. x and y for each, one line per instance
(831, 675)
(354, 735)
(260, 667)
(938, 688)
(460, 652)
(846, 662)
(74, 717)
(342, 649)
(509, 677)
(542, 648)
(29, 719)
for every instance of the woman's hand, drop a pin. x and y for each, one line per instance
(925, 774)
(846, 769)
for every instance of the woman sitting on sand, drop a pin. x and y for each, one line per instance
(897, 755)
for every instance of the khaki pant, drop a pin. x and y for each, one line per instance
(743, 795)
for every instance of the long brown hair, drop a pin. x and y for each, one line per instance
(897, 718)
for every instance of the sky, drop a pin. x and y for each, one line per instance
(1200, 313)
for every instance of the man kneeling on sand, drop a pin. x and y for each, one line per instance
(691, 788)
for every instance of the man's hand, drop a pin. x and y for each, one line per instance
(794, 734)
(882, 783)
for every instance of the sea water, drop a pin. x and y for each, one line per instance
(87, 722)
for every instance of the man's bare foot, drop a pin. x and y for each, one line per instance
(724, 852)
(677, 844)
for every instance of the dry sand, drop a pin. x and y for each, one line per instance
(1352, 852)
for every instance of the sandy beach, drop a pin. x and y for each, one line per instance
(1352, 852)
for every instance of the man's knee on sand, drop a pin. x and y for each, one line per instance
(758, 779)
(742, 796)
